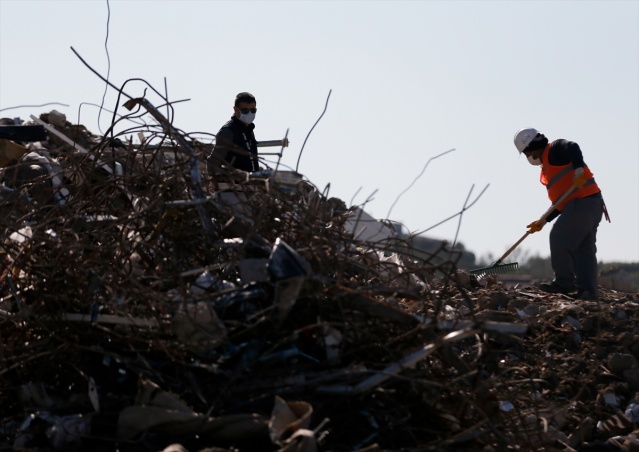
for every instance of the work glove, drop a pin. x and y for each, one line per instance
(579, 180)
(535, 226)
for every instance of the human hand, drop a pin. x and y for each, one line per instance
(579, 180)
(535, 226)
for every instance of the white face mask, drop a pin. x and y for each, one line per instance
(247, 118)
(532, 161)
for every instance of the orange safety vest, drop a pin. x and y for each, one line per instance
(558, 179)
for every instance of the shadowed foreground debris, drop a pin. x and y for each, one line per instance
(280, 320)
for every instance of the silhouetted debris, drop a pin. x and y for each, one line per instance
(284, 320)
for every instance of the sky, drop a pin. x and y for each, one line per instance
(422, 98)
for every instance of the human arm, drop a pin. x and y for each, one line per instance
(538, 225)
(223, 143)
(551, 213)
(564, 152)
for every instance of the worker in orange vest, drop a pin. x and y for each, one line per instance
(573, 249)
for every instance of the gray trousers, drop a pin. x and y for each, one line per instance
(573, 249)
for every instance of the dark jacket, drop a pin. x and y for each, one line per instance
(563, 152)
(235, 147)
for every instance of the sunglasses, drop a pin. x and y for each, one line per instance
(245, 111)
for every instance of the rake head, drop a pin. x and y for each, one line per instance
(495, 269)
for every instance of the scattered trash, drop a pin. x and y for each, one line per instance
(137, 308)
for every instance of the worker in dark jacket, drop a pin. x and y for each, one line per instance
(573, 250)
(235, 144)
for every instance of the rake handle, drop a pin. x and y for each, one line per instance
(512, 248)
(543, 217)
(561, 199)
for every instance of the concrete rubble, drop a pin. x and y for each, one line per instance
(140, 312)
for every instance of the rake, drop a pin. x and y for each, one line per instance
(499, 267)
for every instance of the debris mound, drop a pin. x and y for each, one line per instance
(141, 311)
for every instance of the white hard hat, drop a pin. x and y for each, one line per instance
(524, 137)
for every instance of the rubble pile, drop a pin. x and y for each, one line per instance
(140, 311)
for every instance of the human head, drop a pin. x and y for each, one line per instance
(530, 141)
(244, 97)
(244, 107)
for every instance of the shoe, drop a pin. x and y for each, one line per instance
(553, 287)
(586, 295)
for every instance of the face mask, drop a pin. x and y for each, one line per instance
(532, 161)
(247, 118)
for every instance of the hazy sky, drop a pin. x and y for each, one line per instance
(409, 80)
